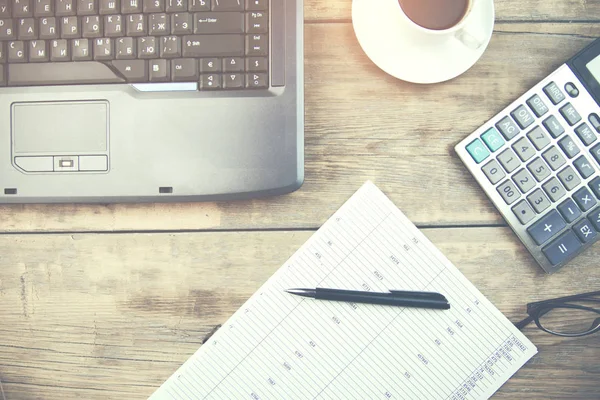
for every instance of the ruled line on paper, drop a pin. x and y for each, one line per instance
(281, 346)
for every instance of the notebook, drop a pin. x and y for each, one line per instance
(280, 346)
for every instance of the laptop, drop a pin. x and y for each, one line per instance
(150, 100)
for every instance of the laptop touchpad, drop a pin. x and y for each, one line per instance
(60, 127)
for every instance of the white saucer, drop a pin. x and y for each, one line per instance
(388, 43)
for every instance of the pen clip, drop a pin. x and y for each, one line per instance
(419, 295)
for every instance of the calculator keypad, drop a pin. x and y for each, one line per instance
(541, 157)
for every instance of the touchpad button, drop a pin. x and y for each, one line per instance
(57, 128)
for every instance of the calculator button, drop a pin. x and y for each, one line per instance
(524, 180)
(537, 105)
(523, 212)
(478, 151)
(595, 186)
(569, 210)
(553, 126)
(596, 153)
(509, 192)
(509, 160)
(492, 139)
(539, 169)
(568, 146)
(584, 167)
(595, 121)
(538, 201)
(562, 248)
(571, 89)
(553, 92)
(585, 231)
(585, 134)
(524, 149)
(539, 138)
(493, 171)
(547, 227)
(522, 116)
(594, 218)
(508, 128)
(584, 199)
(554, 189)
(569, 178)
(554, 159)
(570, 114)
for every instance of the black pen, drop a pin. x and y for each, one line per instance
(392, 298)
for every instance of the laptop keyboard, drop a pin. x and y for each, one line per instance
(218, 44)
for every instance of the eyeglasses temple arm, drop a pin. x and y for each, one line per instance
(565, 298)
(522, 324)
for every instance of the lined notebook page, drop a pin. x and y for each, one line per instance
(281, 346)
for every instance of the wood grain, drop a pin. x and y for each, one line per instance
(111, 316)
(506, 10)
(102, 315)
(360, 124)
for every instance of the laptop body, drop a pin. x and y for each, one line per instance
(166, 100)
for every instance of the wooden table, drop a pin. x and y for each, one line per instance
(106, 301)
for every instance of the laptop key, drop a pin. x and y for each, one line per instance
(132, 70)
(213, 45)
(184, 70)
(257, 81)
(65, 73)
(257, 5)
(5, 9)
(218, 22)
(210, 81)
(228, 5)
(159, 70)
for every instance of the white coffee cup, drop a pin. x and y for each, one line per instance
(414, 53)
(463, 30)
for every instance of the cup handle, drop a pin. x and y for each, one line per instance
(470, 39)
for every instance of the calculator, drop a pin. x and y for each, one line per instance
(538, 160)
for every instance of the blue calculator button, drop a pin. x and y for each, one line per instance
(569, 210)
(492, 139)
(478, 151)
(594, 218)
(547, 227)
(562, 248)
(585, 231)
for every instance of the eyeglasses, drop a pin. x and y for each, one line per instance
(568, 316)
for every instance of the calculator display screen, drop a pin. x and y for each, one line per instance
(594, 67)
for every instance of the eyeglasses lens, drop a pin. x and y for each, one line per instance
(569, 321)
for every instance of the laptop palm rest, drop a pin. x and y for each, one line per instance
(60, 136)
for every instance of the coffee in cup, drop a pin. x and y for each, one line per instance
(435, 14)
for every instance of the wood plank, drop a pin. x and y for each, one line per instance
(111, 316)
(506, 10)
(360, 124)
